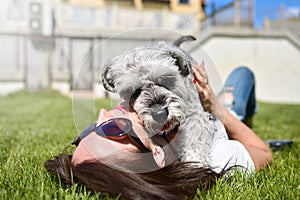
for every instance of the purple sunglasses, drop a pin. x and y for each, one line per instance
(115, 128)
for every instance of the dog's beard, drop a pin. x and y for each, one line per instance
(153, 99)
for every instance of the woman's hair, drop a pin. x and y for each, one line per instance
(178, 180)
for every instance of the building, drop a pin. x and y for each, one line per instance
(63, 44)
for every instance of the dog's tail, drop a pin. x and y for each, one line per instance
(183, 39)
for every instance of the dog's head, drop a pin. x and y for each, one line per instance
(156, 81)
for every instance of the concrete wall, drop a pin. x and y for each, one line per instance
(273, 57)
(12, 65)
(74, 62)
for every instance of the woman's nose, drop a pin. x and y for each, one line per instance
(104, 115)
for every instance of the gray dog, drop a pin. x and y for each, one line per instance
(157, 82)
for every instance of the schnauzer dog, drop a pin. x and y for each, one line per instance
(157, 82)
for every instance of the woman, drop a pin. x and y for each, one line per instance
(240, 106)
(124, 161)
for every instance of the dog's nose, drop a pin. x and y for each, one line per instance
(160, 115)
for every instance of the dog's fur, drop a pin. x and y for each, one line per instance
(157, 81)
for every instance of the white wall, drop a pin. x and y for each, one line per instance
(275, 62)
(8, 87)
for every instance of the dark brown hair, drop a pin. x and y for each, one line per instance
(178, 180)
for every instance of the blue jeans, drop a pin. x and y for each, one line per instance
(242, 82)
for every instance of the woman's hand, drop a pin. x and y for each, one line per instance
(207, 97)
(201, 81)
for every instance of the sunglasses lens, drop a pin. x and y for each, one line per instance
(119, 127)
(115, 127)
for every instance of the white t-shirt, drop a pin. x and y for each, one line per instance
(226, 153)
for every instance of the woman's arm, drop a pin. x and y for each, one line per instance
(236, 130)
(257, 149)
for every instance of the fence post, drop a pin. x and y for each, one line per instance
(251, 13)
(237, 13)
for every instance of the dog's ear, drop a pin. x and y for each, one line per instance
(183, 64)
(182, 59)
(182, 39)
(108, 79)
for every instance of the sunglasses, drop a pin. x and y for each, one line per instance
(117, 129)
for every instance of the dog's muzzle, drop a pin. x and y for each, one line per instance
(159, 113)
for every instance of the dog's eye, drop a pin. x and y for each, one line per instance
(160, 100)
(164, 85)
(157, 100)
(167, 82)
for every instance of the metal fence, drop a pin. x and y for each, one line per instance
(281, 19)
(118, 18)
(16, 15)
(236, 13)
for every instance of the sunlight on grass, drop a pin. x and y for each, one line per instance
(36, 126)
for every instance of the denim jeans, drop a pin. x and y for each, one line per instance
(242, 82)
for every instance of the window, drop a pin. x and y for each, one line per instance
(184, 1)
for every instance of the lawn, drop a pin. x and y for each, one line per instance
(36, 126)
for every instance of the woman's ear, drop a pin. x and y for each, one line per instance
(159, 156)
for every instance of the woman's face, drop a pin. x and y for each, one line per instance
(97, 147)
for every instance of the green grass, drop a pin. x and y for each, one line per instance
(36, 126)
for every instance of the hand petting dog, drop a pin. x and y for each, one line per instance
(207, 97)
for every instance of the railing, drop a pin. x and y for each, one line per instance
(236, 13)
(283, 20)
(119, 19)
(15, 16)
